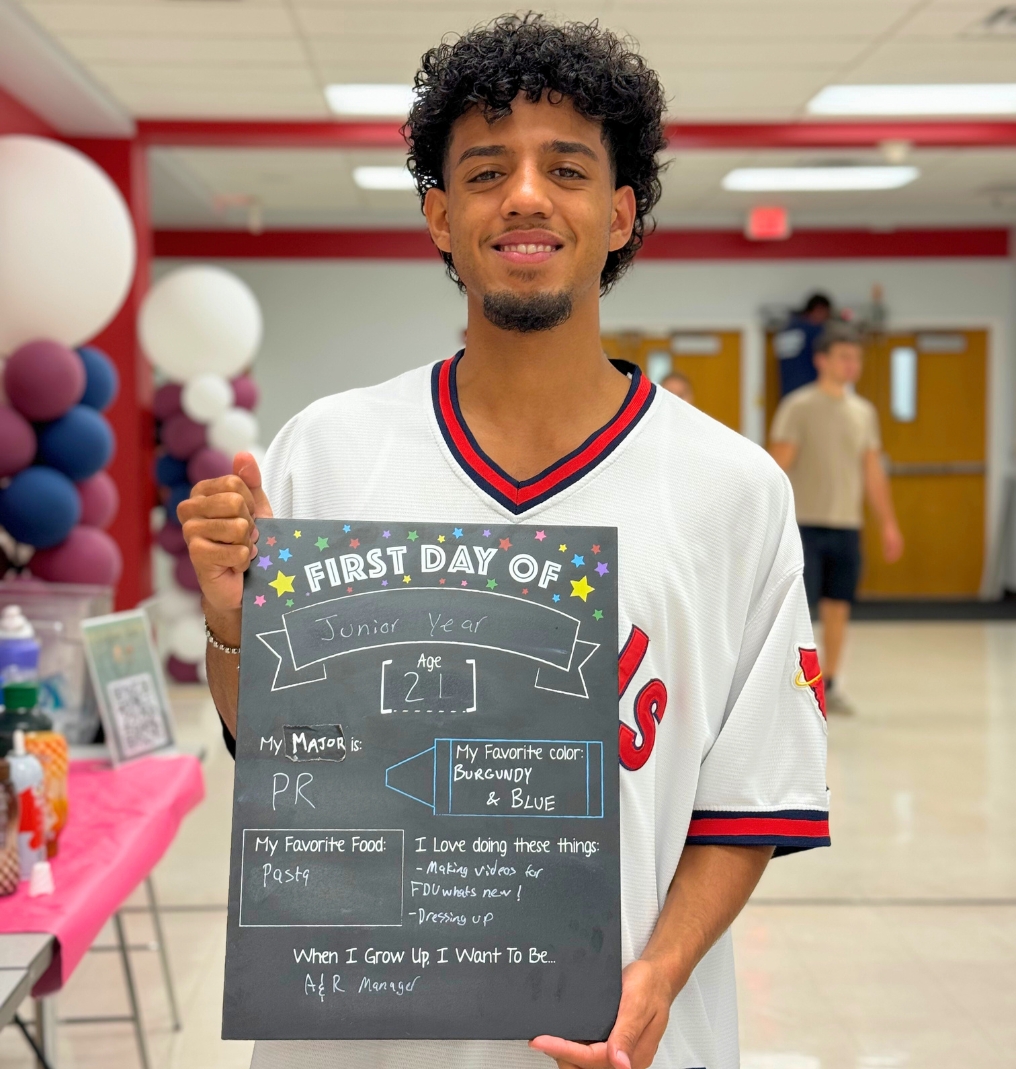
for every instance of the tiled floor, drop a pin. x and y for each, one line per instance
(896, 948)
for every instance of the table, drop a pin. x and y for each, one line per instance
(122, 820)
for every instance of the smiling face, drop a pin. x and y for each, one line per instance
(529, 212)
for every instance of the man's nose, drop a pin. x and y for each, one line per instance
(527, 192)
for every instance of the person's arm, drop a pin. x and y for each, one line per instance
(218, 522)
(709, 889)
(784, 453)
(879, 493)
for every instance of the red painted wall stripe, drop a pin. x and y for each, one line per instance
(663, 245)
(760, 825)
(16, 118)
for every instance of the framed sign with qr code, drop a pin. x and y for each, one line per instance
(129, 687)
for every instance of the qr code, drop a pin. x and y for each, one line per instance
(137, 715)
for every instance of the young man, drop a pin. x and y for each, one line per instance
(827, 439)
(795, 344)
(678, 383)
(534, 147)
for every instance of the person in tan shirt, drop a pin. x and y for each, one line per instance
(826, 439)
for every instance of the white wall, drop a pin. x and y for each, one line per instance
(333, 325)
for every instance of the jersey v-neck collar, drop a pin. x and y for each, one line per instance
(519, 497)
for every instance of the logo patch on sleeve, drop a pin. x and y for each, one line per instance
(810, 675)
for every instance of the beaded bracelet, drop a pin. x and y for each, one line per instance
(214, 642)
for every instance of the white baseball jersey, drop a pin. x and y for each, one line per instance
(722, 734)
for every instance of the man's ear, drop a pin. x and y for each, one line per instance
(435, 209)
(622, 219)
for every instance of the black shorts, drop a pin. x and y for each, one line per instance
(832, 563)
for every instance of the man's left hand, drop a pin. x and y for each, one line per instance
(646, 997)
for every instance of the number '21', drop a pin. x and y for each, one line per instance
(650, 704)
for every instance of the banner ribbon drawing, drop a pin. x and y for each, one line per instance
(315, 634)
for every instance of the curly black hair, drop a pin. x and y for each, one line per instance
(599, 72)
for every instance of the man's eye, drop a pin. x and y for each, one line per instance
(568, 172)
(485, 176)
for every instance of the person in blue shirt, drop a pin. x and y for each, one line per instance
(795, 344)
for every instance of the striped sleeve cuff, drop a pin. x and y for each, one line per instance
(789, 830)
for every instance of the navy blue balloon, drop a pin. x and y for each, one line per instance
(39, 507)
(79, 444)
(169, 470)
(177, 493)
(102, 381)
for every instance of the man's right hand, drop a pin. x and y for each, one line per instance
(219, 526)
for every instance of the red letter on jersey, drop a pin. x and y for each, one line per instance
(650, 705)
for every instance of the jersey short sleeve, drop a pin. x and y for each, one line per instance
(786, 423)
(762, 782)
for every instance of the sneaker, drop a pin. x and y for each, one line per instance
(837, 703)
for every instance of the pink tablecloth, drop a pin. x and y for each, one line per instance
(121, 821)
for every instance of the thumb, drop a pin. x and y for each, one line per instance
(246, 467)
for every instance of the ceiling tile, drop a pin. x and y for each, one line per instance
(181, 18)
(911, 60)
(185, 50)
(208, 76)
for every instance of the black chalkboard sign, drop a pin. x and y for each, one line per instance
(425, 814)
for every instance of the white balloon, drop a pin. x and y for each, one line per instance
(206, 396)
(187, 639)
(67, 249)
(258, 453)
(234, 431)
(175, 603)
(200, 319)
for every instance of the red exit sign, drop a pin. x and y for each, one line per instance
(767, 224)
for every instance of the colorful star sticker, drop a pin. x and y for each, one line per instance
(562, 548)
(407, 578)
(298, 534)
(349, 590)
(540, 536)
(557, 597)
(271, 541)
(486, 534)
(264, 562)
(289, 603)
(384, 582)
(578, 561)
(506, 543)
(346, 528)
(441, 538)
(386, 534)
(440, 582)
(457, 532)
(354, 542)
(412, 536)
(596, 549)
(322, 543)
(580, 588)
(602, 568)
(491, 584)
(597, 614)
(525, 590)
(283, 584)
(464, 583)
(284, 554)
(259, 600)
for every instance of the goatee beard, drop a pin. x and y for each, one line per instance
(541, 311)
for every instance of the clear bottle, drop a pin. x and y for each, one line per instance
(26, 776)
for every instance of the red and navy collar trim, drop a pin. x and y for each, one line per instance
(519, 497)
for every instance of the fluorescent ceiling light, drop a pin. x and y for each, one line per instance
(816, 179)
(383, 178)
(393, 100)
(973, 99)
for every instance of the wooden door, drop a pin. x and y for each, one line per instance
(711, 360)
(933, 438)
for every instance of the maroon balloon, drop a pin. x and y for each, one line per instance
(44, 379)
(166, 401)
(180, 671)
(245, 392)
(100, 500)
(208, 464)
(171, 539)
(87, 555)
(183, 572)
(17, 441)
(182, 436)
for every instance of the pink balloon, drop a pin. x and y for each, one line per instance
(166, 401)
(171, 539)
(182, 437)
(180, 671)
(44, 379)
(17, 442)
(208, 464)
(87, 555)
(183, 572)
(245, 392)
(100, 500)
